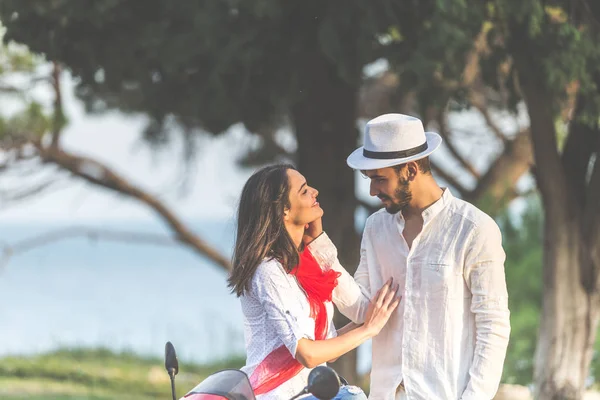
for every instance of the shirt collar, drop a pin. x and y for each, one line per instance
(430, 212)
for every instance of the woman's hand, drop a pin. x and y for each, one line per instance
(381, 307)
(312, 230)
(311, 353)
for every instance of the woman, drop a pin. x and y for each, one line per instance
(286, 295)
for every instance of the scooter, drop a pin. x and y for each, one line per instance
(233, 384)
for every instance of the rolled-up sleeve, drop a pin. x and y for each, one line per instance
(332, 331)
(361, 276)
(272, 288)
(347, 296)
(485, 277)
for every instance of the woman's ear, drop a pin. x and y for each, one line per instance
(286, 214)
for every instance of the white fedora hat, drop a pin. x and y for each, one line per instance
(393, 139)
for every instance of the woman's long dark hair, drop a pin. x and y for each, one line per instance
(261, 231)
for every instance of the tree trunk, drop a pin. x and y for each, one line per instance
(324, 120)
(570, 309)
(569, 316)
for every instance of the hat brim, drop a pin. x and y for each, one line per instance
(357, 160)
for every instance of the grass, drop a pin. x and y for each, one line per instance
(98, 374)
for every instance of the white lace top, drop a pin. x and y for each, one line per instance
(276, 311)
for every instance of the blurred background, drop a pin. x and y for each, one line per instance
(128, 128)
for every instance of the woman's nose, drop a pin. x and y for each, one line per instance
(316, 192)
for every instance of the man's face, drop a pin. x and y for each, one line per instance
(393, 188)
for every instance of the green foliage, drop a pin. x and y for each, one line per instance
(32, 121)
(207, 64)
(439, 44)
(522, 243)
(595, 365)
(14, 57)
(554, 44)
(30, 118)
(97, 374)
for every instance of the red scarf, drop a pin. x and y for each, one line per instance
(280, 366)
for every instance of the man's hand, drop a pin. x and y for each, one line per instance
(312, 230)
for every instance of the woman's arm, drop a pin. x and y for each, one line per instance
(349, 296)
(348, 327)
(345, 329)
(311, 353)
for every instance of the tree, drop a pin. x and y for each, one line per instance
(209, 65)
(25, 150)
(205, 66)
(543, 55)
(562, 49)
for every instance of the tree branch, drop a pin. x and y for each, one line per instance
(471, 75)
(450, 180)
(482, 108)
(267, 151)
(9, 89)
(381, 94)
(445, 133)
(503, 173)
(16, 146)
(100, 175)
(35, 190)
(58, 107)
(9, 250)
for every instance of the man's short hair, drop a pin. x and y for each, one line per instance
(423, 164)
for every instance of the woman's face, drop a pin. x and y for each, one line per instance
(304, 207)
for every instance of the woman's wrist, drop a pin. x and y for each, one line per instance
(348, 327)
(366, 330)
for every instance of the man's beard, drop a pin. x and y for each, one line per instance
(402, 197)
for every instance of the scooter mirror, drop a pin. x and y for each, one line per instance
(323, 383)
(171, 363)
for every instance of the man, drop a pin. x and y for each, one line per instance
(448, 338)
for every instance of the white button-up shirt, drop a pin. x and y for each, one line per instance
(276, 312)
(448, 337)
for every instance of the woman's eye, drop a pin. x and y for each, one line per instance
(305, 191)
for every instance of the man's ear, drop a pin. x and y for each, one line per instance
(412, 169)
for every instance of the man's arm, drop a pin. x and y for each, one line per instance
(484, 273)
(361, 276)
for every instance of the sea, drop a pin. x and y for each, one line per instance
(67, 286)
